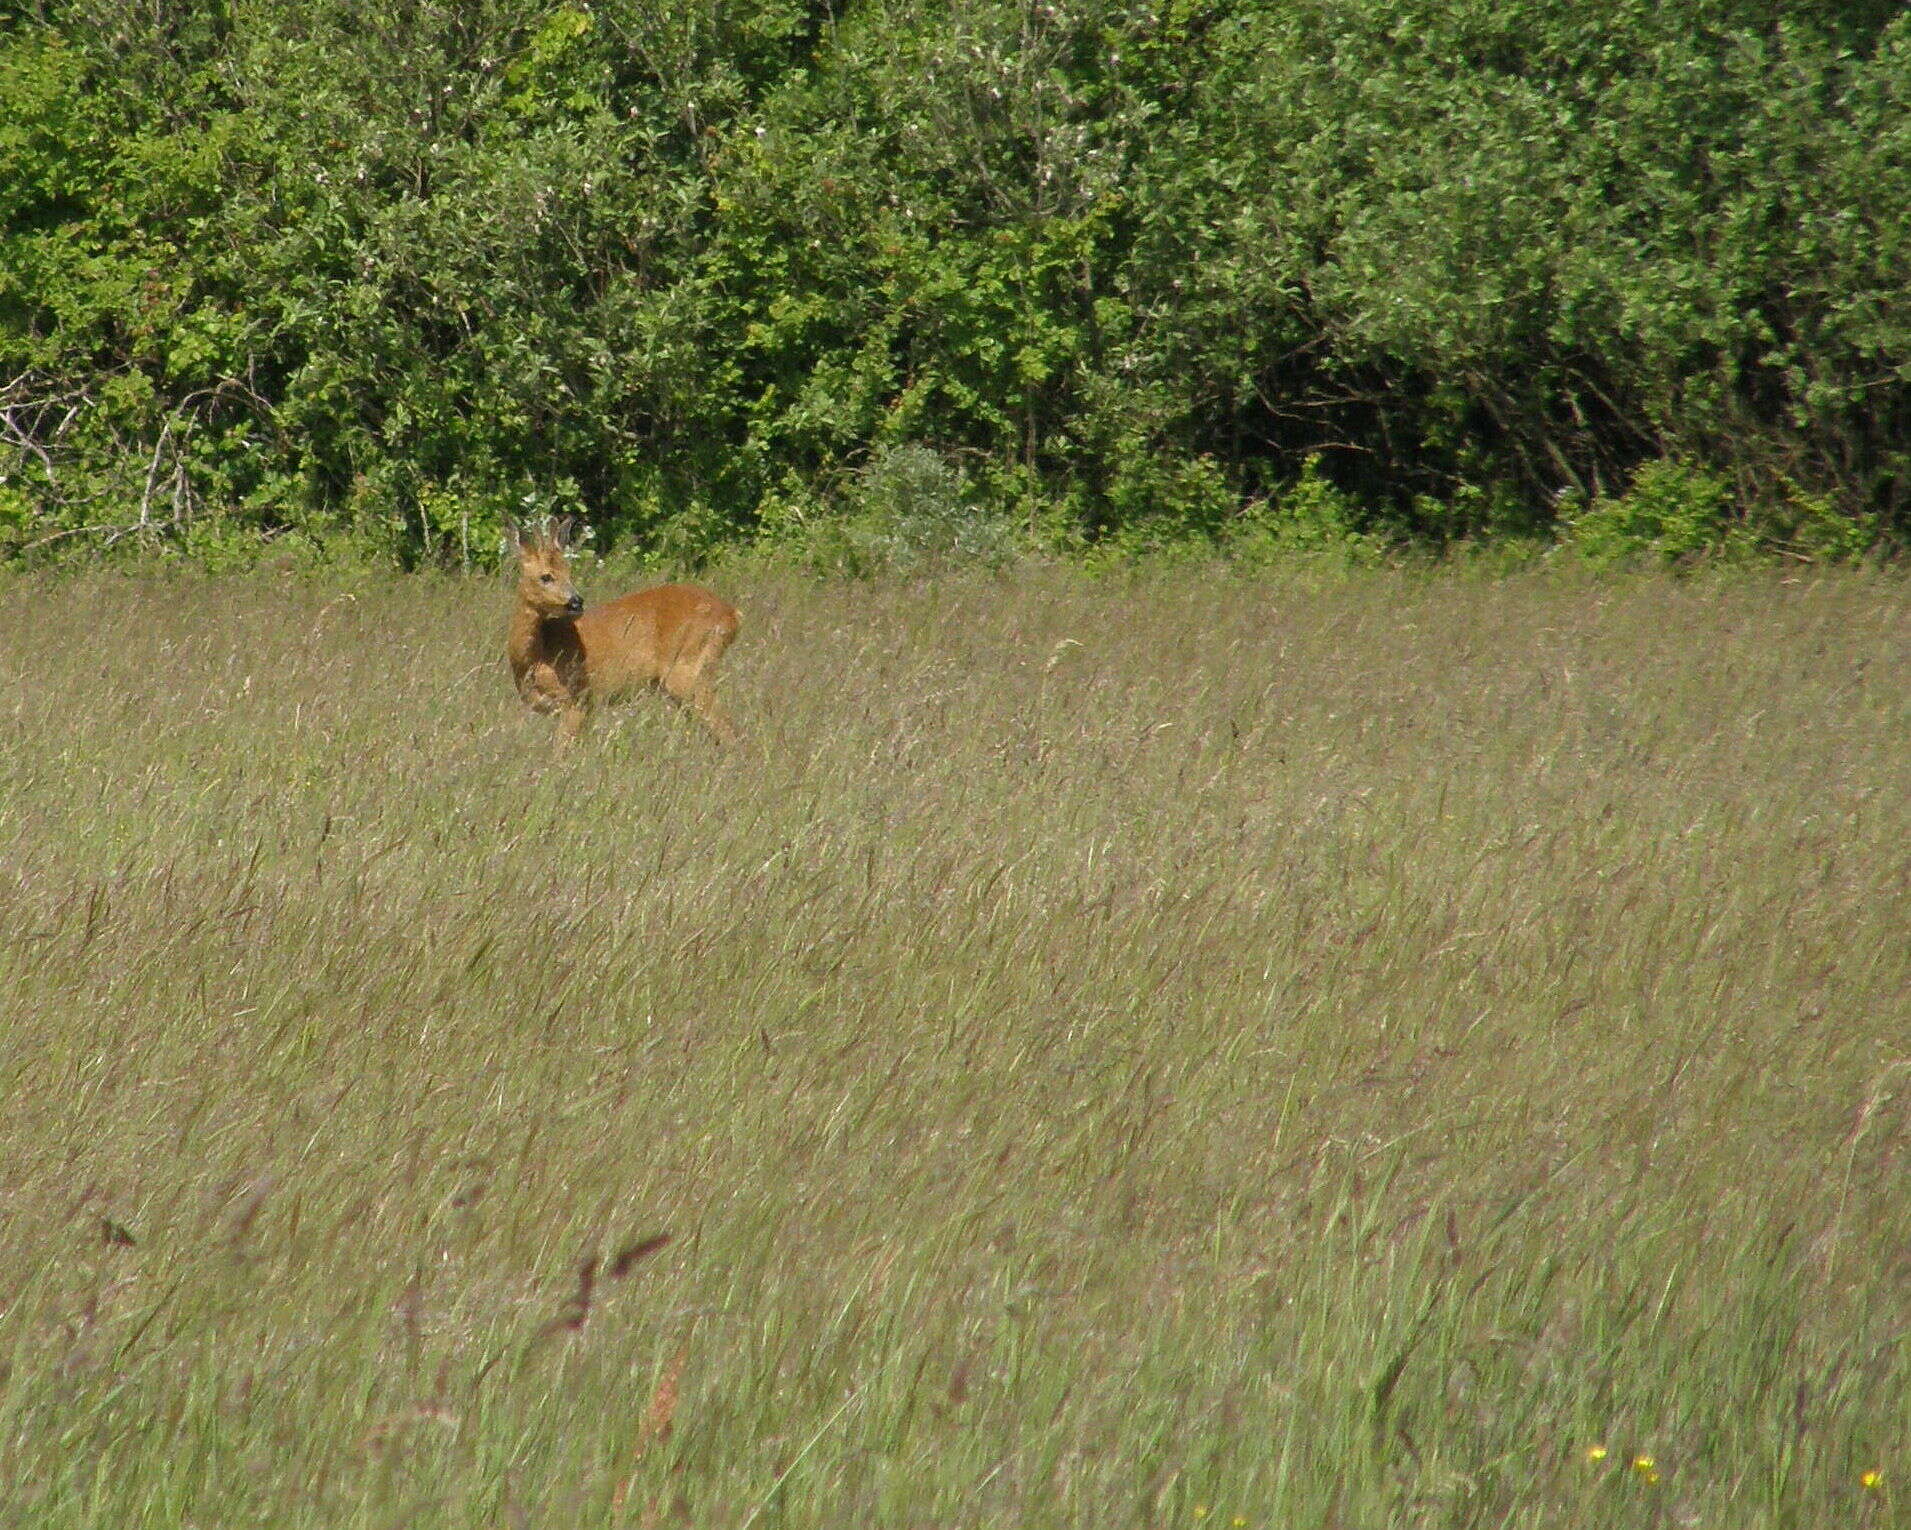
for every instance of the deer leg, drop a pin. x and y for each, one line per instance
(542, 691)
(688, 683)
(703, 701)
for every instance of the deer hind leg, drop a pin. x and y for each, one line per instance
(692, 680)
(700, 695)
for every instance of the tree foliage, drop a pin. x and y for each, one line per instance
(1135, 270)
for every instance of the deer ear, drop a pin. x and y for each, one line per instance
(512, 534)
(561, 532)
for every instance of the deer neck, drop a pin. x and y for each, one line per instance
(525, 643)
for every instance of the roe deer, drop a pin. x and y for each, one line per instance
(565, 658)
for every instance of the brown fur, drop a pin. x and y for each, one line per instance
(565, 659)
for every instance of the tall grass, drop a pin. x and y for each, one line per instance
(1385, 1050)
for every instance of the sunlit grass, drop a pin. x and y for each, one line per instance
(1378, 1050)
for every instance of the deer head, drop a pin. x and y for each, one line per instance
(544, 573)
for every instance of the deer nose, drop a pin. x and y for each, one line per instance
(574, 604)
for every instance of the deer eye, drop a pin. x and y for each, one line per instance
(546, 578)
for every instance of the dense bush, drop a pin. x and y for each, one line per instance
(1123, 270)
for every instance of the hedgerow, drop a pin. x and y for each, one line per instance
(1134, 273)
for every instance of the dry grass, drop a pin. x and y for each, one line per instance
(1154, 1052)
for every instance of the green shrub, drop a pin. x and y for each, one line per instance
(1673, 512)
(1676, 512)
(1812, 528)
(1310, 518)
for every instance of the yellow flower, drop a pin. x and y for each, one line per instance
(1595, 1452)
(1239, 1520)
(1200, 1511)
(1872, 1479)
(1643, 1463)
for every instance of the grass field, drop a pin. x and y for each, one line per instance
(1382, 1050)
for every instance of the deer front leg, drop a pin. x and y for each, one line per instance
(543, 692)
